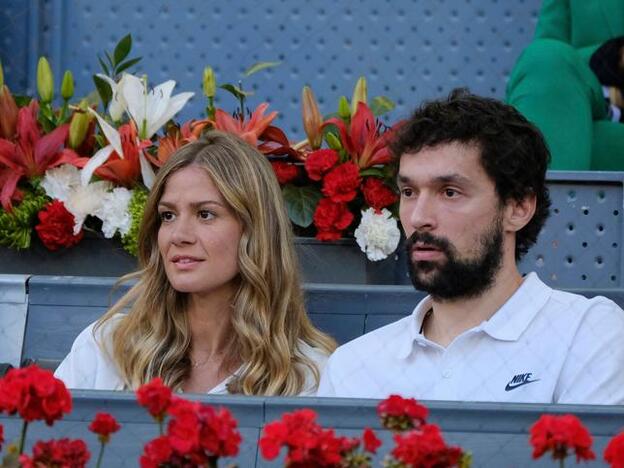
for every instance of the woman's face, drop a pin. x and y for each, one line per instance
(199, 234)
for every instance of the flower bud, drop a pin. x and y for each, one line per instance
(8, 114)
(78, 128)
(312, 119)
(360, 94)
(67, 85)
(333, 141)
(209, 82)
(45, 80)
(343, 108)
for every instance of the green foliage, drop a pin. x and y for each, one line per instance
(381, 105)
(256, 67)
(136, 207)
(16, 227)
(301, 203)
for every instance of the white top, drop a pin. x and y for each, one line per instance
(541, 346)
(88, 367)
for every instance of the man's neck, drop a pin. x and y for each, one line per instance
(452, 318)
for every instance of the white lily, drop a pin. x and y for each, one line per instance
(117, 105)
(99, 158)
(151, 109)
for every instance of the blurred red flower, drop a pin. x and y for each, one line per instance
(614, 452)
(104, 425)
(66, 453)
(425, 447)
(561, 435)
(400, 414)
(35, 394)
(155, 396)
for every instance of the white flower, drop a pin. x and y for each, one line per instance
(377, 235)
(117, 105)
(113, 211)
(85, 200)
(61, 181)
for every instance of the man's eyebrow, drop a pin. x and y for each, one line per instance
(442, 179)
(194, 204)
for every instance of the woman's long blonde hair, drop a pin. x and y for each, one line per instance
(268, 318)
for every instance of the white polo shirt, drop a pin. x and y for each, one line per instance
(541, 346)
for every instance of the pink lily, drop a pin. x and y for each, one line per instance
(363, 140)
(32, 153)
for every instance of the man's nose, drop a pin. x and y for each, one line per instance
(422, 214)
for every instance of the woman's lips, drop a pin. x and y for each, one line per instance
(185, 262)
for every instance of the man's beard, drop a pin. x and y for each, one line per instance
(454, 278)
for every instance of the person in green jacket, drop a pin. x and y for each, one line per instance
(554, 87)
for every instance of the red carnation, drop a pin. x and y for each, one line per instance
(560, 434)
(377, 194)
(65, 453)
(331, 219)
(614, 452)
(319, 162)
(56, 226)
(104, 425)
(371, 442)
(400, 414)
(156, 453)
(342, 182)
(425, 447)
(156, 397)
(35, 394)
(285, 172)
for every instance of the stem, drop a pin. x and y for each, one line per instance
(212, 462)
(23, 437)
(561, 462)
(100, 455)
(211, 108)
(241, 98)
(160, 427)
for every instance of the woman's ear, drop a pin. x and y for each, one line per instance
(519, 213)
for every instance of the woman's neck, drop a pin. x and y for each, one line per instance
(210, 323)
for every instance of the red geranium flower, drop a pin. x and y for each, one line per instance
(155, 396)
(560, 434)
(400, 414)
(425, 447)
(308, 444)
(64, 453)
(56, 226)
(319, 162)
(371, 442)
(35, 394)
(614, 452)
(342, 182)
(331, 219)
(104, 425)
(285, 172)
(156, 452)
(377, 194)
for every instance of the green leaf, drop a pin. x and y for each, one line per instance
(235, 90)
(301, 203)
(123, 66)
(256, 67)
(374, 172)
(103, 89)
(103, 65)
(110, 60)
(122, 49)
(21, 100)
(381, 105)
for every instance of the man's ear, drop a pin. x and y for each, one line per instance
(519, 213)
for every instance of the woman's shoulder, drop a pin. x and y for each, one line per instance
(89, 363)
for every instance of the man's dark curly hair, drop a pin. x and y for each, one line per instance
(513, 151)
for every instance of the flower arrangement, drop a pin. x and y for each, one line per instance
(193, 434)
(88, 165)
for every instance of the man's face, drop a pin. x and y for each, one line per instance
(453, 221)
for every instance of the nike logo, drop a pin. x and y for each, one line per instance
(519, 380)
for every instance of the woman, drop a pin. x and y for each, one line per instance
(218, 305)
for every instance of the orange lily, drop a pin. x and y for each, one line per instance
(249, 130)
(363, 140)
(312, 119)
(32, 153)
(125, 169)
(175, 138)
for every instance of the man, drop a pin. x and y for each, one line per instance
(471, 176)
